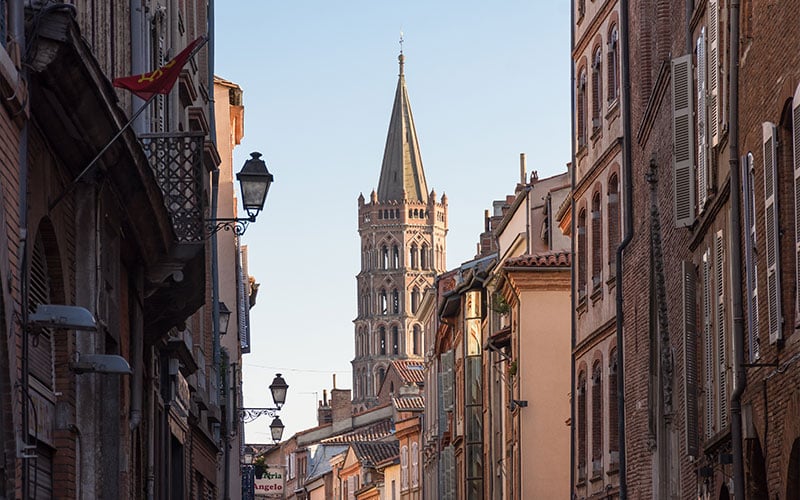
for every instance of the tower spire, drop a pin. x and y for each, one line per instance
(401, 170)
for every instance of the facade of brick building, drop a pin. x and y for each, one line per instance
(121, 236)
(402, 228)
(594, 218)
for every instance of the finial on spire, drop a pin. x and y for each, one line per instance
(401, 57)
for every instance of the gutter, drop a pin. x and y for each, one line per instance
(739, 374)
(573, 291)
(627, 212)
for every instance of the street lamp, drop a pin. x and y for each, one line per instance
(224, 318)
(254, 182)
(278, 389)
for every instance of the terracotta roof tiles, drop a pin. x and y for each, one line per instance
(550, 259)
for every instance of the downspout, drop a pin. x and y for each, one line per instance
(627, 213)
(16, 16)
(739, 375)
(573, 327)
(137, 352)
(137, 58)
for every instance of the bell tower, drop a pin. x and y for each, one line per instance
(402, 229)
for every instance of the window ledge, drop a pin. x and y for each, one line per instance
(597, 291)
(611, 282)
(582, 306)
(613, 109)
(597, 133)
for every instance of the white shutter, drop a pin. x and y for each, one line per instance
(713, 71)
(690, 357)
(750, 263)
(722, 352)
(796, 158)
(708, 351)
(775, 320)
(683, 142)
(702, 134)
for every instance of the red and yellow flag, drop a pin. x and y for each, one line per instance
(162, 79)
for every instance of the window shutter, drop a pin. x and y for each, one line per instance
(690, 357)
(447, 379)
(796, 158)
(708, 354)
(751, 267)
(683, 161)
(702, 139)
(722, 357)
(713, 71)
(775, 321)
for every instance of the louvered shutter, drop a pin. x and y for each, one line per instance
(713, 71)
(796, 158)
(721, 338)
(708, 351)
(750, 263)
(683, 143)
(690, 357)
(447, 379)
(775, 320)
(702, 139)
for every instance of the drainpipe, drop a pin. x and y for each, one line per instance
(739, 375)
(137, 353)
(16, 28)
(573, 327)
(137, 58)
(627, 212)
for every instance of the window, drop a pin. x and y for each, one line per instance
(772, 225)
(581, 426)
(683, 140)
(613, 223)
(580, 95)
(423, 257)
(384, 257)
(750, 245)
(597, 243)
(613, 413)
(395, 257)
(413, 257)
(395, 340)
(403, 468)
(382, 340)
(701, 124)
(597, 90)
(383, 306)
(597, 418)
(613, 65)
(582, 254)
(414, 464)
(414, 300)
(395, 302)
(417, 340)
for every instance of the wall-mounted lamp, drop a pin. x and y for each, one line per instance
(224, 318)
(278, 388)
(254, 182)
(60, 316)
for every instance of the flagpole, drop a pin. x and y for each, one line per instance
(113, 139)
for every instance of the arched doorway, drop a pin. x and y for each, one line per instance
(756, 473)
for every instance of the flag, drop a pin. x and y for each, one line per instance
(162, 79)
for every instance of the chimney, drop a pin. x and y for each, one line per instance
(324, 412)
(522, 168)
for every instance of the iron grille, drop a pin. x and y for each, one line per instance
(176, 160)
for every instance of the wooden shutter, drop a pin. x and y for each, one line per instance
(447, 379)
(796, 159)
(690, 357)
(682, 132)
(702, 134)
(708, 352)
(722, 344)
(775, 320)
(713, 71)
(750, 262)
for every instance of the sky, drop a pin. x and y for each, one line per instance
(486, 81)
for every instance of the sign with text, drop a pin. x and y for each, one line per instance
(271, 482)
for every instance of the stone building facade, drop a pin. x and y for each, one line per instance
(402, 229)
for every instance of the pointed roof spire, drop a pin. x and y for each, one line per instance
(402, 170)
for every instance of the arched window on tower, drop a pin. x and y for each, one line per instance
(395, 340)
(395, 257)
(423, 257)
(395, 302)
(417, 340)
(414, 300)
(384, 257)
(413, 257)
(382, 340)
(384, 306)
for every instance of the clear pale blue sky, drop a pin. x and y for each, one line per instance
(487, 81)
